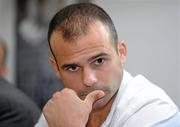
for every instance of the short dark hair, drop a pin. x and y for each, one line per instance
(74, 20)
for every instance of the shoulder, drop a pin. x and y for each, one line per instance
(141, 90)
(15, 105)
(143, 103)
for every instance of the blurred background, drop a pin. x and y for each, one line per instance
(150, 28)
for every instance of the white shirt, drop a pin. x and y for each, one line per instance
(138, 103)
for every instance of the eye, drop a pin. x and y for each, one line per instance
(99, 61)
(72, 68)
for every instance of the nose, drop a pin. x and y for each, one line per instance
(89, 77)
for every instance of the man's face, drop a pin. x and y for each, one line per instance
(90, 63)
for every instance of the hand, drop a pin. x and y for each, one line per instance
(66, 109)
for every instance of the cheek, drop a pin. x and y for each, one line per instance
(104, 79)
(110, 73)
(111, 76)
(117, 74)
(72, 82)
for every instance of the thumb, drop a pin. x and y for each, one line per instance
(93, 96)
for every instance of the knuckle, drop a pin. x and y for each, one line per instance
(47, 105)
(68, 91)
(56, 94)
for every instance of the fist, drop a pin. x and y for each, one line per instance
(66, 109)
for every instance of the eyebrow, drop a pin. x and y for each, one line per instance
(98, 55)
(90, 59)
(69, 65)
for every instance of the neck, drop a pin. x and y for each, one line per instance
(98, 116)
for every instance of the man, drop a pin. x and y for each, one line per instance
(16, 109)
(88, 58)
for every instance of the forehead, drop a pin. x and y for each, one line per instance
(97, 39)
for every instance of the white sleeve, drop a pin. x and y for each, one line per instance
(41, 122)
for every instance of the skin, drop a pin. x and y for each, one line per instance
(92, 71)
(2, 66)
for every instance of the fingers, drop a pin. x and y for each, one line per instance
(66, 91)
(93, 96)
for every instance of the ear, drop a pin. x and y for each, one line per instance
(3, 70)
(122, 51)
(54, 64)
